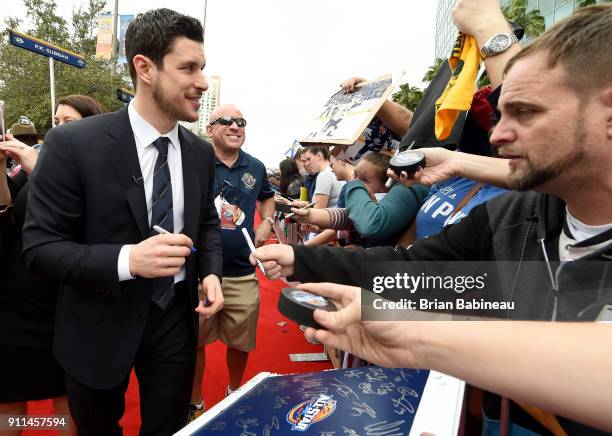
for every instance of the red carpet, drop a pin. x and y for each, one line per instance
(274, 343)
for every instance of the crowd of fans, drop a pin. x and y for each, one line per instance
(465, 212)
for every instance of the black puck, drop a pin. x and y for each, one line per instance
(299, 305)
(409, 161)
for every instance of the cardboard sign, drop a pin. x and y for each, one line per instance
(345, 116)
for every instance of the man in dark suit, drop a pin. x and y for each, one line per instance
(128, 294)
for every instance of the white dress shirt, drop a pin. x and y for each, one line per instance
(144, 135)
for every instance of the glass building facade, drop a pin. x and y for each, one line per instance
(446, 32)
(208, 103)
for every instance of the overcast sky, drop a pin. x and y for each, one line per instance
(280, 60)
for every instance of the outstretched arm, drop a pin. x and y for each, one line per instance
(442, 164)
(560, 367)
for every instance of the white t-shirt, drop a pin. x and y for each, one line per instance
(327, 184)
(573, 241)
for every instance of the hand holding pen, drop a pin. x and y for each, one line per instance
(249, 242)
(160, 255)
(163, 231)
(303, 208)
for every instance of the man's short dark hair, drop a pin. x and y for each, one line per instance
(319, 149)
(152, 34)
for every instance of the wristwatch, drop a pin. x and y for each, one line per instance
(497, 44)
(270, 220)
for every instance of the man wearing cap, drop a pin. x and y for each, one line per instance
(241, 180)
(23, 131)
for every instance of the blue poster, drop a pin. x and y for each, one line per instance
(357, 401)
(43, 48)
(124, 21)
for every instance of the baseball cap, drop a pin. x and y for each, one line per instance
(23, 127)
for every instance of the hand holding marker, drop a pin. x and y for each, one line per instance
(163, 231)
(249, 242)
(308, 206)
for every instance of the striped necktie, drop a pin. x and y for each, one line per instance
(162, 215)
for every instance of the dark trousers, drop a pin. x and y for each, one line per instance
(164, 366)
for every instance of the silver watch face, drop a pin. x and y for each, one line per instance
(499, 43)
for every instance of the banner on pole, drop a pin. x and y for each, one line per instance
(124, 21)
(44, 48)
(105, 36)
(290, 153)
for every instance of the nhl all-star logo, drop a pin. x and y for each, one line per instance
(307, 413)
(248, 180)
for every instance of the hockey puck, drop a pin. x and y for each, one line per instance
(409, 161)
(299, 305)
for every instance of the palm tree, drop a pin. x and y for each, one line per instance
(532, 21)
(408, 96)
(433, 70)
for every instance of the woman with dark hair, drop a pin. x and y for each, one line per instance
(27, 302)
(289, 179)
(75, 107)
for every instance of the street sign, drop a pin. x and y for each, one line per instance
(43, 48)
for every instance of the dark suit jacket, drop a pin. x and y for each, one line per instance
(84, 205)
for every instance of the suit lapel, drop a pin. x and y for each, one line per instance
(191, 184)
(122, 150)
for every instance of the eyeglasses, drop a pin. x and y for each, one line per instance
(229, 120)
